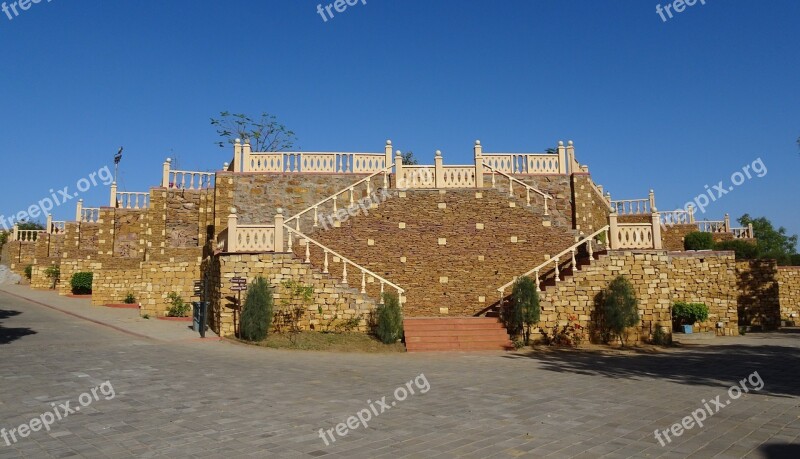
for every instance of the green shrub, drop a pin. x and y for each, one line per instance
(53, 272)
(660, 337)
(81, 283)
(620, 307)
(689, 313)
(523, 312)
(29, 271)
(129, 298)
(744, 250)
(257, 311)
(178, 307)
(794, 259)
(698, 241)
(389, 327)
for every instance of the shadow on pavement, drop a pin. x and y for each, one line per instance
(780, 451)
(7, 335)
(707, 365)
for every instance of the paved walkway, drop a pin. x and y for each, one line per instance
(176, 397)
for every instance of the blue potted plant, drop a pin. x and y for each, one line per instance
(685, 315)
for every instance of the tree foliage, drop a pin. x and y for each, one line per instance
(257, 311)
(409, 159)
(523, 312)
(389, 327)
(620, 307)
(697, 240)
(772, 243)
(263, 134)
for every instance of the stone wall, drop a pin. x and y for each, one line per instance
(759, 302)
(70, 266)
(789, 293)
(659, 279)
(450, 250)
(113, 281)
(20, 254)
(590, 211)
(672, 236)
(163, 276)
(333, 302)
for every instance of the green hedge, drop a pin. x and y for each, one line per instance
(698, 241)
(744, 250)
(689, 313)
(81, 283)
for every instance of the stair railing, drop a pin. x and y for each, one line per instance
(555, 261)
(335, 197)
(306, 241)
(528, 188)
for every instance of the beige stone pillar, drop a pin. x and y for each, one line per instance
(165, 173)
(398, 170)
(478, 164)
(613, 230)
(388, 152)
(652, 197)
(691, 213)
(750, 230)
(246, 157)
(232, 224)
(656, 215)
(49, 225)
(279, 230)
(564, 156)
(727, 223)
(113, 200)
(79, 211)
(438, 164)
(15, 233)
(237, 156)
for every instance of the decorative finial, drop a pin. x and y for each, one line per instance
(169, 160)
(398, 153)
(570, 143)
(388, 142)
(560, 143)
(438, 153)
(280, 210)
(477, 142)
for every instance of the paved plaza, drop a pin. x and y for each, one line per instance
(175, 395)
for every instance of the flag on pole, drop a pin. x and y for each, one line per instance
(118, 156)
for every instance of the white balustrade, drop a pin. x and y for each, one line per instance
(254, 238)
(524, 163)
(742, 233)
(633, 236)
(58, 227)
(315, 162)
(528, 189)
(712, 226)
(676, 217)
(133, 200)
(188, 180)
(416, 177)
(631, 206)
(458, 177)
(26, 235)
(90, 215)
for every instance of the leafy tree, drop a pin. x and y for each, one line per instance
(744, 250)
(620, 307)
(26, 225)
(409, 159)
(389, 327)
(697, 240)
(257, 311)
(772, 243)
(264, 133)
(524, 310)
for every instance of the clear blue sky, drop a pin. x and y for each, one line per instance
(671, 106)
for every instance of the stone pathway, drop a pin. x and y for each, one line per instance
(176, 396)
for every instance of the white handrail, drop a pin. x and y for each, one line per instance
(599, 193)
(364, 271)
(350, 188)
(529, 188)
(556, 258)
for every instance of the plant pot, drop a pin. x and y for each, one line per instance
(687, 328)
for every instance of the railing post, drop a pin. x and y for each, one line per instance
(656, 229)
(750, 231)
(691, 213)
(438, 164)
(652, 197)
(727, 228)
(49, 225)
(564, 155)
(237, 156)
(165, 173)
(246, 156)
(113, 201)
(388, 150)
(398, 169)
(278, 230)
(79, 211)
(478, 164)
(15, 236)
(613, 229)
(232, 223)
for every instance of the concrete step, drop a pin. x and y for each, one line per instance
(455, 334)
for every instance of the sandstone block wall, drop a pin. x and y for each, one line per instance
(114, 280)
(710, 278)
(161, 277)
(590, 212)
(789, 292)
(333, 302)
(672, 236)
(70, 266)
(758, 295)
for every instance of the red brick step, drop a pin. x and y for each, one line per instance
(455, 334)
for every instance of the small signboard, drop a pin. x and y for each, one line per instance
(239, 284)
(238, 288)
(198, 288)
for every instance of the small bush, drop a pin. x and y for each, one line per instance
(523, 312)
(389, 328)
(744, 250)
(620, 307)
(129, 298)
(689, 313)
(29, 271)
(257, 311)
(81, 283)
(178, 307)
(571, 333)
(660, 337)
(53, 272)
(698, 241)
